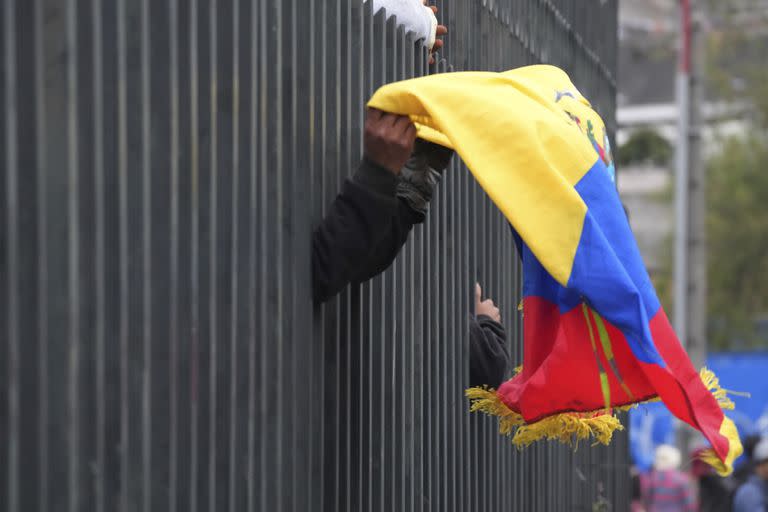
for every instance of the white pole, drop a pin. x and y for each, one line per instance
(682, 177)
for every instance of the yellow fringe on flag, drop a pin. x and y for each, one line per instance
(725, 467)
(712, 383)
(487, 401)
(727, 429)
(573, 427)
(566, 427)
(569, 428)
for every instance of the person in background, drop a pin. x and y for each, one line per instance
(488, 355)
(753, 495)
(666, 488)
(636, 503)
(742, 473)
(715, 492)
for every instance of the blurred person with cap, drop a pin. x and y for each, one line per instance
(742, 473)
(666, 488)
(753, 495)
(715, 492)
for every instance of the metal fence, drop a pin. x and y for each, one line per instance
(163, 163)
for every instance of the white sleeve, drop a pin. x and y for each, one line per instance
(413, 15)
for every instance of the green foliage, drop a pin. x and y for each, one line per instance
(734, 70)
(737, 186)
(645, 146)
(663, 278)
(737, 231)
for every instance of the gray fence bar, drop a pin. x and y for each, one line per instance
(163, 165)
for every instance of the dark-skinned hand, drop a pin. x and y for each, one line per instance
(388, 139)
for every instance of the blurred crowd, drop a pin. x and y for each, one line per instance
(672, 486)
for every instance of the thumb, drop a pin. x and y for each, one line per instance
(478, 293)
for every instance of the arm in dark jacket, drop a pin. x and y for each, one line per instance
(415, 189)
(367, 225)
(488, 356)
(386, 250)
(364, 216)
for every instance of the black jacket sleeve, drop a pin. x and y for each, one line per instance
(387, 249)
(362, 232)
(488, 356)
(366, 226)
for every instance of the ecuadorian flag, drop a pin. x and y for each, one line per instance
(595, 335)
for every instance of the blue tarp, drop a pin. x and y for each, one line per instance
(652, 424)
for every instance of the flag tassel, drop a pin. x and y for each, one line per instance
(568, 428)
(571, 427)
(712, 383)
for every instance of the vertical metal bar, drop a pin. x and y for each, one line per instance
(173, 341)
(100, 295)
(388, 328)
(408, 306)
(334, 162)
(315, 374)
(367, 357)
(12, 221)
(296, 247)
(252, 473)
(456, 313)
(321, 181)
(464, 182)
(195, 258)
(73, 363)
(346, 347)
(213, 331)
(264, 202)
(420, 311)
(146, 194)
(124, 255)
(42, 247)
(279, 255)
(442, 384)
(463, 311)
(379, 332)
(356, 360)
(235, 270)
(398, 334)
(427, 362)
(317, 379)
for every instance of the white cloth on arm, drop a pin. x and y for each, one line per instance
(413, 15)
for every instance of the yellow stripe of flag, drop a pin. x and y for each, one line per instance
(522, 147)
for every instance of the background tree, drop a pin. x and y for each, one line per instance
(645, 146)
(737, 225)
(737, 193)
